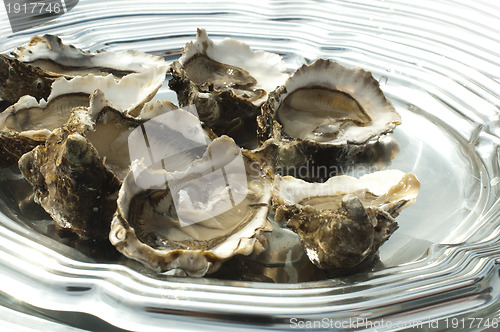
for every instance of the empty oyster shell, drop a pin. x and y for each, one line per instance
(325, 112)
(343, 222)
(190, 224)
(227, 82)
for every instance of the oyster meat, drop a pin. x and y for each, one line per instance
(228, 82)
(343, 222)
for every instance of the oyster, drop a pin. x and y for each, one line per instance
(72, 183)
(127, 95)
(227, 82)
(29, 123)
(343, 222)
(108, 130)
(327, 113)
(199, 218)
(51, 55)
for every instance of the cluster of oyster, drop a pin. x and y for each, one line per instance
(180, 190)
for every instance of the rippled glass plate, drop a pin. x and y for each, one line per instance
(436, 61)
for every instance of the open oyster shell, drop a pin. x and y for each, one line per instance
(112, 129)
(29, 123)
(187, 222)
(50, 54)
(327, 113)
(227, 82)
(127, 94)
(343, 222)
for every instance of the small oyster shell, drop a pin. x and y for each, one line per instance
(327, 113)
(343, 222)
(227, 82)
(147, 226)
